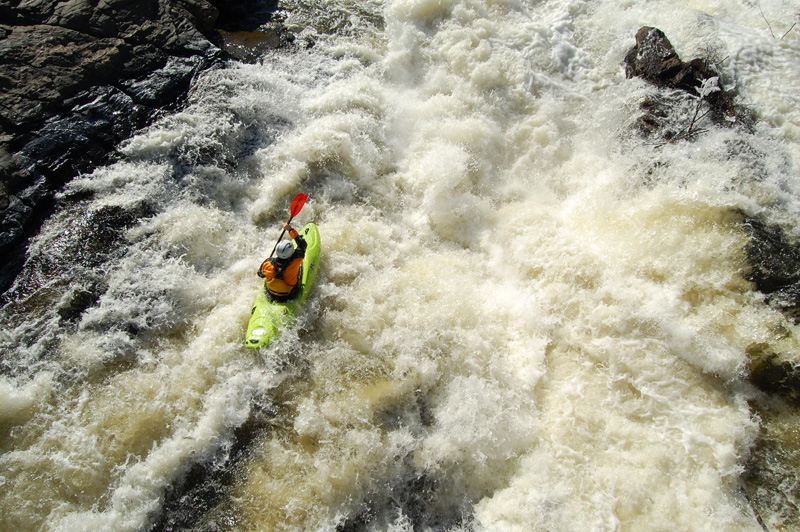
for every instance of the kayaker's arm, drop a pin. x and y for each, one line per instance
(301, 243)
(266, 270)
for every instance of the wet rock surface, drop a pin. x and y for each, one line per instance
(770, 476)
(774, 259)
(198, 500)
(688, 97)
(775, 272)
(668, 114)
(77, 77)
(775, 262)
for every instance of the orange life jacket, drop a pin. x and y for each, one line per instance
(281, 281)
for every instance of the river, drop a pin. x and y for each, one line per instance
(528, 317)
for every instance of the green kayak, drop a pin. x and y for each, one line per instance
(268, 317)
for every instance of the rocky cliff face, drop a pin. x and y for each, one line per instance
(76, 78)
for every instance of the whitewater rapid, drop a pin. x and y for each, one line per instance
(528, 317)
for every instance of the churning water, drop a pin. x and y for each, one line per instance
(528, 317)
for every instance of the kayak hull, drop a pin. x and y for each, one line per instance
(268, 317)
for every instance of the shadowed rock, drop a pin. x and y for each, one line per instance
(76, 78)
(655, 60)
(775, 266)
(775, 271)
(79, 76)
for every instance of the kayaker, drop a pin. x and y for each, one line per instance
(282, 272)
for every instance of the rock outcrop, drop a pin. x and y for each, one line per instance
(79, 76)
(775, 272)
(654, 59)
(774, 258)
(775, 266)
(770, 476)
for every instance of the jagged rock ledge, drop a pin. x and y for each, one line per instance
(78, 76)
(655, 60)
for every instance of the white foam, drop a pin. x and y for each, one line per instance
(520, 302)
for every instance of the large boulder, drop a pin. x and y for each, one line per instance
(77, 77)
(655, 60)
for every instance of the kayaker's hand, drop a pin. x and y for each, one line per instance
(287, 227)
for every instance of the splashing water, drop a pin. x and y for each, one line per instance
(527, 317)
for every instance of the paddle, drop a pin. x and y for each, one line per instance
(297, 206)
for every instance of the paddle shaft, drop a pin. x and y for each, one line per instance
(297, 206)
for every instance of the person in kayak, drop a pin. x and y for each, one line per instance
(282, 272)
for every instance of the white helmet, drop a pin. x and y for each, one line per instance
(284, 250)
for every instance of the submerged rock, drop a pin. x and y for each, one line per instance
(775, 266)
(771, 469)
(770, 476)
(72, 259)
(248, 29)
(774, 261)
(249, 46)
(775, 272)
(774, 373)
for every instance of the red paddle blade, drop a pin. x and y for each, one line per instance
(297, 204)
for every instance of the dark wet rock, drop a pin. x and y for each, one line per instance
(658, 116)
(71, 258)
(420, 498)
(76, 78)
(249, 29)
(64, 274)
(245, 15)
(64, 48)
(199, 500)
(655, 60)
(775, 266)
(769, 480)
(250, 46)
(775, 374)
(775, 271)
(770, 476)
